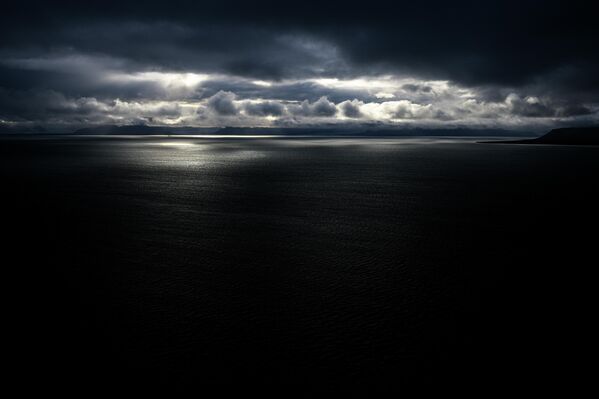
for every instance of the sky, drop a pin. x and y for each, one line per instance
(493, 64)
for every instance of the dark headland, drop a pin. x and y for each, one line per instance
(564, 136)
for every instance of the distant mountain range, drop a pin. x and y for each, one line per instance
(573, 135)
(144, 130)
(298, 131)
(564, 136)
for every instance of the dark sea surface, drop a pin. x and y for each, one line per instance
(191, 260)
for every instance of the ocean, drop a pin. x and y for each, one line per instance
(192, 260)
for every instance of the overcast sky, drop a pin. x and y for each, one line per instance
(508, 64)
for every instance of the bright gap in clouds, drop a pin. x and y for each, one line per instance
(166, 79)
(110, 94)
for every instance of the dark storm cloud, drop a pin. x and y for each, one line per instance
(480, 42)
(541, 51)
(86, 81)
(473, 42)
(538, 108)
(179, 45)
(573, 110)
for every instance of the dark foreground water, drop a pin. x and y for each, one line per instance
(198, 260)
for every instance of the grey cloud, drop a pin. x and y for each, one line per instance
(94, 80)
(54, 108)
(459, 41)
(233, 49)
(268, 108)
(414, 88)
(286, 90)
(573, 110)
(351, 109)
(403, 112)
(222, 103)
(442, 115)
(320, 108)
(78, 50)
(408, 110)
(529, 107)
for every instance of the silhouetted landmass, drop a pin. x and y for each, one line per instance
(34, 129)
(143, 130)
(363, 130)
(564, 136)
(370, 131)
(374, 130)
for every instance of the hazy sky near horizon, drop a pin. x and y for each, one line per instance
(506, 64)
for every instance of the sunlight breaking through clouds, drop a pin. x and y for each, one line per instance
(103, 91)
(166, 79)
(193, 65)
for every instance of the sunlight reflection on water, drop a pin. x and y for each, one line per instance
(205, 152)
(177, 144)
(196, 154)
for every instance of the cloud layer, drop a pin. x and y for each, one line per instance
(498, 64)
